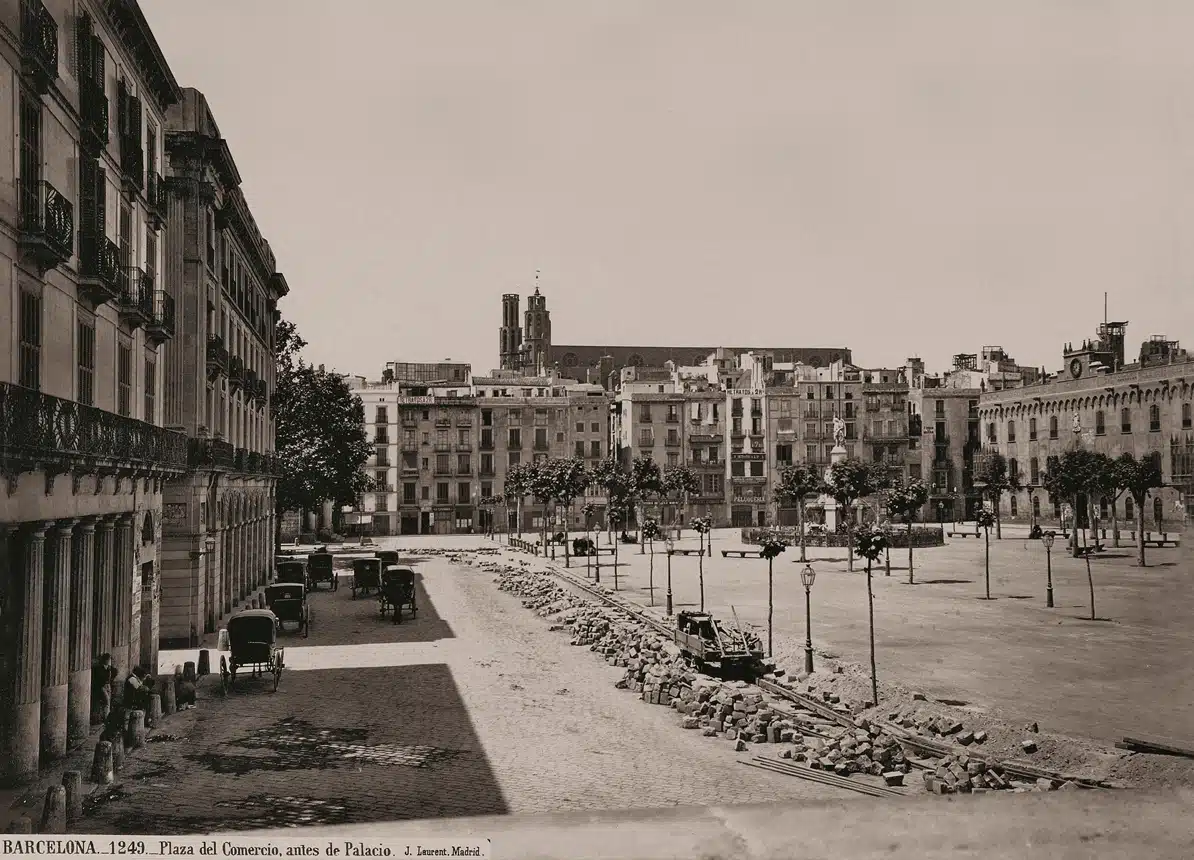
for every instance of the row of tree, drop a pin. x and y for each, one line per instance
(1080, 477)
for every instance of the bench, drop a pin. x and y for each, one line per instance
(974, 534)
(598, 550)
(1162, 541)
(742, 553)
(687, 551)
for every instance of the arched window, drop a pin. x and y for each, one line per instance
(1100, 423)
(1011, 431)
(1031, 429)
(1036, 506)
(991, 435)
(1052, 426)
(1034, 471)
(1012, 501)
(1125, 420)
(1129, 508)
(1154, 419)
(1186, 420)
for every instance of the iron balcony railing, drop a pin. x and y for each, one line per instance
(160, 327)
(38, 430)
(236, 371)
(240, 459)
(47, 224)
(99, 268)
(217, 356)
(94, 116)
(155, 199)
(39, 45)
(210, 452)
(136, 296)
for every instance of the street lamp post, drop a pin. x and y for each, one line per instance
(807, 576)
(671, 545)
(1047, 540)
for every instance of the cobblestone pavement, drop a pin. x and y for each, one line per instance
(479, 710)
(1127, 673)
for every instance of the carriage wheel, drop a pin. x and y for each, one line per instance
(354, 589)
(307, 622)
(277, 669)
(232, 667)
(414, 610)
(224, 675)
(335, 581)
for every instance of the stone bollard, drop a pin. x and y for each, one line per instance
(167, 687)
(53, 816)
(135, 735)
(204, 662)
(188, 672)
(155, 709)
(72, 781)
(23, 824)
(117, 755)
(102, 770)
(253, 603)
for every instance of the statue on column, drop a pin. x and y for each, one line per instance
(839, 431)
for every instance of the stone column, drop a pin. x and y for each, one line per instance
(56, 615)
(242, 559)
(82, 613)
(259, 534)
(104, 594)
(19, 743)
(123, 607)
(271, 539)
(226, 584)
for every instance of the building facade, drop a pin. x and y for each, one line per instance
(219, 518)
(441, 451)
(89, 305)
(1103, 403)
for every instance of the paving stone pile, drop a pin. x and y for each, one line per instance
(739, 712)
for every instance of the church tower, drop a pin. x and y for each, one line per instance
(510, 349)
(537, 331)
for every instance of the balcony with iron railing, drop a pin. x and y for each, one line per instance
(46, 433)
(160, 327)
(39, 45)
(442, 446)
(99, 269)
(93, 116)
(249, 383)
(236, 372)
(217, 356)
(443, 422)
(542, 445)
(155, 199)
(136, 297)
(240, 459)
(47, 225)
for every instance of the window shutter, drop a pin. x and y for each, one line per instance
(84, 62)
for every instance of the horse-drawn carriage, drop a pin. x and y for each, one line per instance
(397, 591)
(387, 557)
(320, 568)
(252, 642)
(366, 574)
(288, 602)
(293, 570)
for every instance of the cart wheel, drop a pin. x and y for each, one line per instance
(231, 673)
(397, 613)
(224, 675)
(277, 669)
(354, 591)
(307, 623)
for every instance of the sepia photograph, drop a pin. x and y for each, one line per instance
(596, 429)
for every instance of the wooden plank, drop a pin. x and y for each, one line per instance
(1159, 747)
(806, 703)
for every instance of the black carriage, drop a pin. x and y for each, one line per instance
(387, 557)
(252, 642)
(293, 570)
(288, 601)
(320, 568)
(397, 591)
(366, 574)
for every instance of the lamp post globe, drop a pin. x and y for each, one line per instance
(1047, 540)
(807, 577)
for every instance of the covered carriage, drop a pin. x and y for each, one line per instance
(288, 602)
(252, 643)
(320, 568)
(397, 591)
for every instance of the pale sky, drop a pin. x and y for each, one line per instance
(911, 178)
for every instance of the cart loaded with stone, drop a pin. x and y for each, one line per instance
(397, 591)
(252, 643)
(708, 644)
(288, 602)
(320, 568)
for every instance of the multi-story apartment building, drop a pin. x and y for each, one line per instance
(1103, 403)
(219, 519)
(87, 307)
(440, 450)
(943, 421)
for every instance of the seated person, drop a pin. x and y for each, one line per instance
(137, 690)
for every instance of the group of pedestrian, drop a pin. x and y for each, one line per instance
(139, 687)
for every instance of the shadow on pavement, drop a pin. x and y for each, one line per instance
(323, 750)
(943, 581)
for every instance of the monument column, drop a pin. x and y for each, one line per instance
(55, 665)
(82, 612)
(19, 753)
